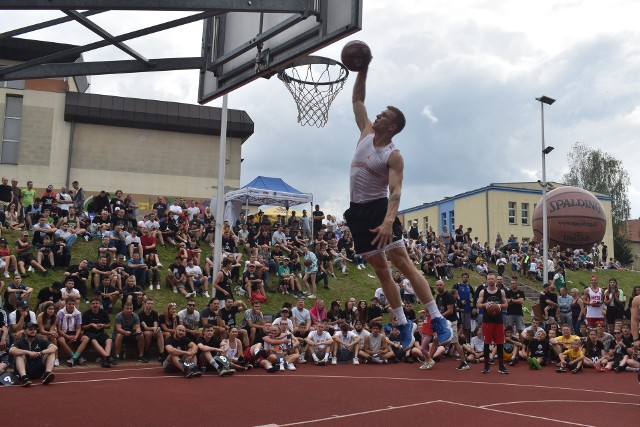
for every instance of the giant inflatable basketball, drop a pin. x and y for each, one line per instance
(575, 218)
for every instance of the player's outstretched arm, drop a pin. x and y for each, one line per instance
(359, 110)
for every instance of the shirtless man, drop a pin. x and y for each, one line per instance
(376, 185)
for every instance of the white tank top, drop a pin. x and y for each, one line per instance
(369, 171)
(595, 296)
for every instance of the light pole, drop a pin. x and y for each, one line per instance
(545, 150)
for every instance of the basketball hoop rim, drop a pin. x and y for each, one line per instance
(311, 60)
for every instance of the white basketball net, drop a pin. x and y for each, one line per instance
(314, 85)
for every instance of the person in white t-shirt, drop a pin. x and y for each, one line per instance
(197, 281)
(358, 328)
(283, 321)
(345, 346)
(319, 345)
(300, 314)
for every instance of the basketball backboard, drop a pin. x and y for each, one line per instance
(239, 47)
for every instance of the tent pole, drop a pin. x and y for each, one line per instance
(217, 247)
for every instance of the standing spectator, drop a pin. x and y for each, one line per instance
(95, 322)
(593, 299)
(306, 224)
(466, 294)
(6, 194)
(318, 216)
(27, 197)
(78, 196)
(614, 301)
(564, 306)
(515, 314)
(447, 306)
(34, 356)
(493, 325)
(64, 200)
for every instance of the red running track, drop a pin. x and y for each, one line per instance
(342, 395)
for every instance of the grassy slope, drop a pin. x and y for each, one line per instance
(356, 284)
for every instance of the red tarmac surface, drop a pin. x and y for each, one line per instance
(342, 395)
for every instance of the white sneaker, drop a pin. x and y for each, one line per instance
(334, 360)
(299, 275)
(291, 366)
(301, 358)
(359, 267)
(428, 365)
(175, 290)
(206, 294)
(326, 358)
(150, 287)
(6, 274)
(160, 265)
(30, 269)
(333, 275)
(356, 361)
(56, 363)
(315, 358)
(311, 296)
(344, 270)
(158, 287)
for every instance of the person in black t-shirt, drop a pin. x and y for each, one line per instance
(51, 293)
(317, 216)
(177, 277)
(34, 357)
(208, 348)
(447, 305)
(515, 299)
(107, 293)
(80, 274)
(181, 354)
(374, 311)
(150, 326)
(94, 323)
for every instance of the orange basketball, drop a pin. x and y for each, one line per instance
(493, 310)
(356, 55)
(575, 218)
(308, 262)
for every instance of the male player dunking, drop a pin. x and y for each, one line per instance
(377, 170)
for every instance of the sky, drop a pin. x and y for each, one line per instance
(465, 73)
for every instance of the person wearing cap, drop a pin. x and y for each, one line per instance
(34, 357)
(20, 317)
(253, 284)
(284, 322)
(288, 280)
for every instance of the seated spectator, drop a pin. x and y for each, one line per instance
(150, 326)
(17, 291)
(197, 282)
(32, 212)
(34, 357)
(253, 322)
(176, 277)
(209, 353)
(69, 291)
(169, 320)
(376, 348)
(8, 262)
(95, 322)
(127, 330)
(133, 244)
(137, 268)
(210, 316)
(594, 354)
(47, 323)
(101, 224)
(44, 254)
(61, 254)
(24, 255)
(571, 359)
(107, 293)
(104, 250)
(253, 284)
(181, 354)
(475, 349)
(395, 345)
(563, 342)
(18, 318)
(537, 349)
(346, 344)
(228, 318)
(278, 346)
(283, 321)
(190, 318)
(69, 321)
(80, 274)
(319, 344)
(133, 293)
(318, 313)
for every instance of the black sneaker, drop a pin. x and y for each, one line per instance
(463, 366)
(273, 368)
(143, 359)
(503, 370)
(48, 377)
(409, 359)
(105, 363)
(114, 360)
(188, 372)
(248, 367)
(486, 369)
(26, 382)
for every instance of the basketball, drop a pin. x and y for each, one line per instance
(575, 219)
(493, 310)
(356, 55)
(308, 262)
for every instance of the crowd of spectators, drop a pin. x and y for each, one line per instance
(289, 256)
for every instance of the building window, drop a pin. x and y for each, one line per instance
(444, 219)
(512, 212)
(452, 219)
(11, 130)
(524, 213)
(425, 221)
(12, 84)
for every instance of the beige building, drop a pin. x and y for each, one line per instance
(53, 132)
(505, 208)
(632, 230)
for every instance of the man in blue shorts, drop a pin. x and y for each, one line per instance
(376, 184)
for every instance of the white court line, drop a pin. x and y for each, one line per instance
(490, 383)
(537, 417)
(102, 371)
(354, 414)
(558, 401)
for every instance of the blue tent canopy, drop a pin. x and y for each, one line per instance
(269, 191)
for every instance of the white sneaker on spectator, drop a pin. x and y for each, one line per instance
(30, 269)
(158, 286)
(344, 270)
(150, 287)
(356, 361)
(206, 294)
(326, 358)
(160, 265)
(6, 274)
(334, 360)
(301, 358)
(56, 363)
(175, 290)
(291, 366)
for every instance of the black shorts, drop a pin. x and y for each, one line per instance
(100, 338)
(34, 367)
(26, 258)
(362, 217)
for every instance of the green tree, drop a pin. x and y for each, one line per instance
(595, 170)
